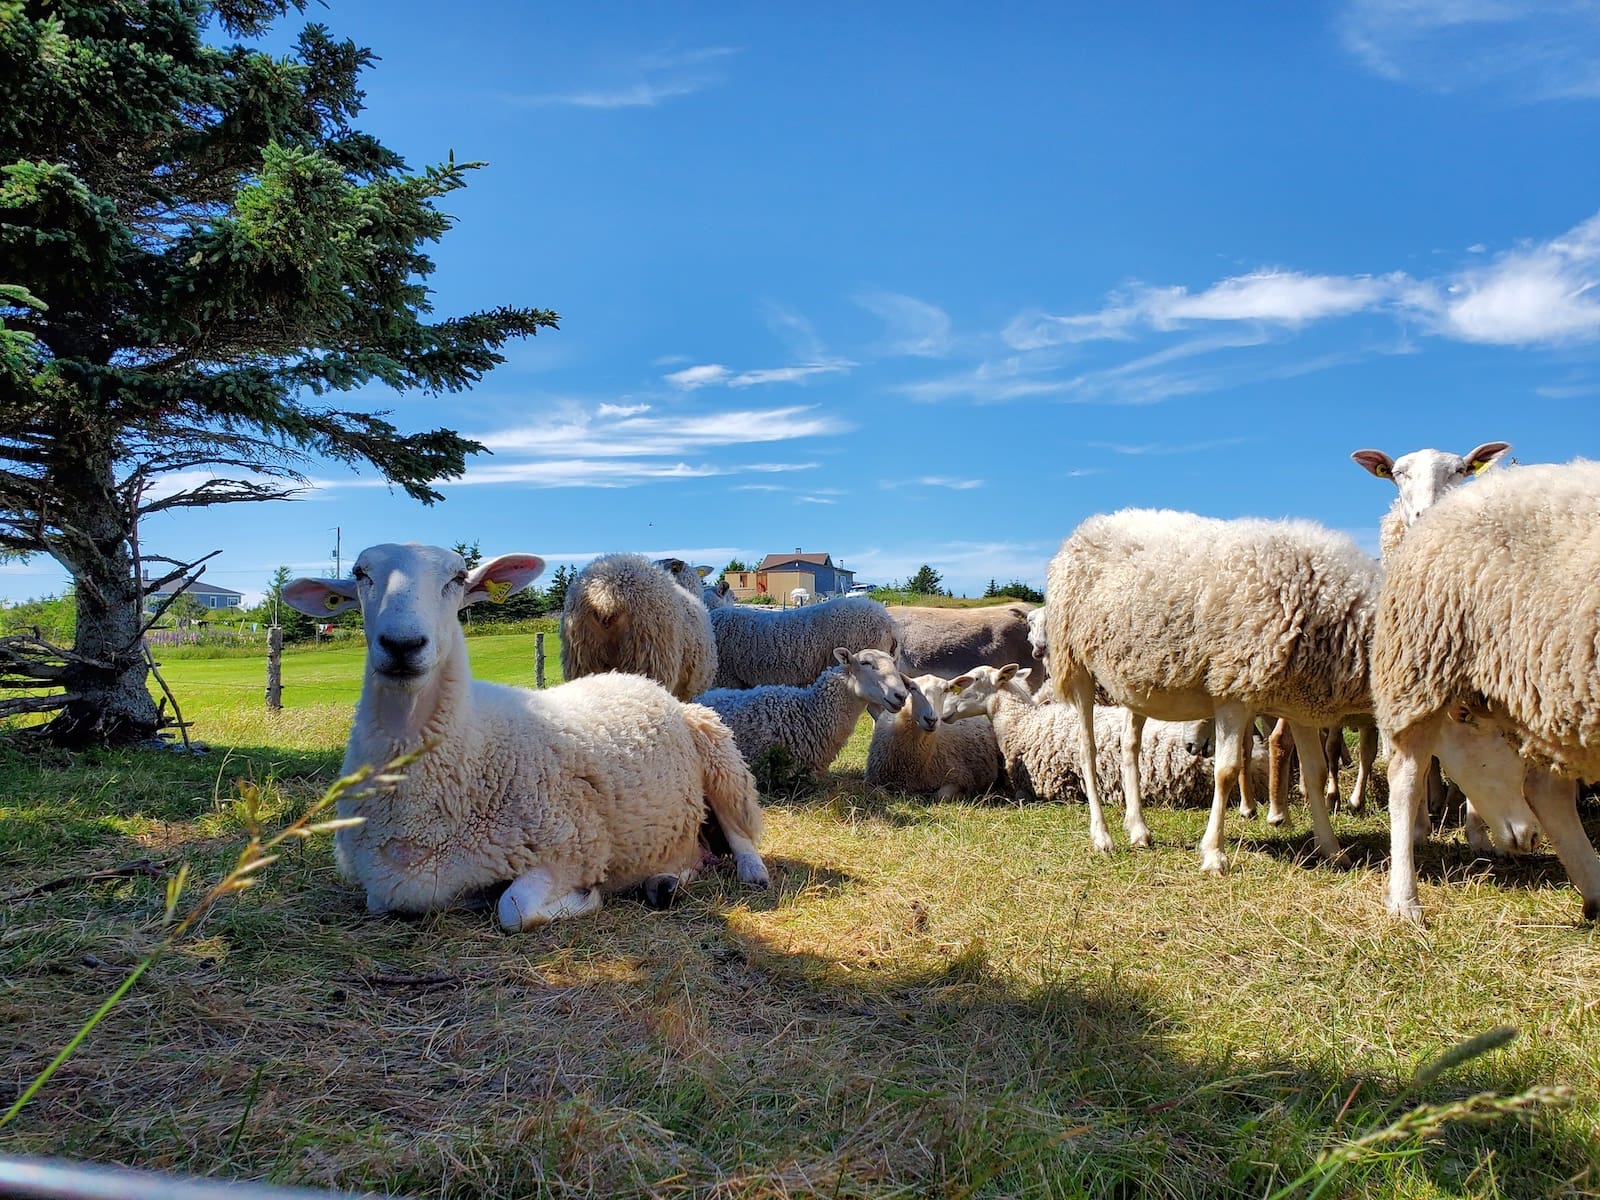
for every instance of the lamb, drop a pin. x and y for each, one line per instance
(911, 750)
(947, 641)
(794, 646)
(624, 613)
(597, 785)
(814, 723)
(1039, 743)
(1420, 479)
(1487, 656)
(1182, 617)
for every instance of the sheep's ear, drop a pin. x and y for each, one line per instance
(960, 684)
(703, 572)
(843, 655)
(1486, 455)
(671, 566)
(1007, 671)
(1376, 461)
(499, 578)
(321, 597)
(1023, 673)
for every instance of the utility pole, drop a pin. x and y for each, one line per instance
(338, 558)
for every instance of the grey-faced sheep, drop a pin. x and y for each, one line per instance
(1487, 657)
(815, 722)
(949, 641)
(693, 580)
(1182, 617)
(1040, 744)
(596, 785)
(794, 646)
(625, 613)
(914, 751)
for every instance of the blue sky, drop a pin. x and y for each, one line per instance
(922, 283)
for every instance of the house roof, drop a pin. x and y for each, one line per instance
(778, 560)
(198, 588)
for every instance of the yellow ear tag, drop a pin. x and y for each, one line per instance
(498, 590)
(955, 689)
(1480, 468)
(332, 601)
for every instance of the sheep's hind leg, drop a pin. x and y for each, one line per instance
(1554, 801)
(1313, 772)
(1233, 724)
(534, 898)
(1132, 798)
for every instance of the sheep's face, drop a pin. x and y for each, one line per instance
(968, 695)
(1425, 475)
(874, 677)
(924, 715)
(1038, 640)
(409, 597)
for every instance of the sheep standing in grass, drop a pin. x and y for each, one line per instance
(1420, 479)
(794, 646)
(813, 723)
(1040, 743)
(1183, 617)
(625, 613)
(947, 641)
(1487, 657)
(596, 785)
(913, 751)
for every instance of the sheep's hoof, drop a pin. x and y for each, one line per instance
(1101, 841)
(1140, 837)
(1355, 804)
(1213, 862)
(1277, 817)
(1408, 909)
(1248, 812)
(751, 869)
(1591, 908)
(661, 890)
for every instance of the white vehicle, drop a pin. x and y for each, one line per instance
(799, 596)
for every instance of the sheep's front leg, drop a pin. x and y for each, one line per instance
(1132, 798)
(1408, 798)
(535, 898)
(1366, 755)
(1308, 744)
(1555, 802)
(1082, 687)
(1233, 726)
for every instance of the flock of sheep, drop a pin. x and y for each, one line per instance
(1473, 644)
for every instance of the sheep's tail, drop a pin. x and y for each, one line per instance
(733, 805)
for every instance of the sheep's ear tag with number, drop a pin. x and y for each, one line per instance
(498, 589)
(956, 689)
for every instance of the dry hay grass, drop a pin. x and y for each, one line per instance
(932, 1000)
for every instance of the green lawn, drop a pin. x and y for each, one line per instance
(945, 1000)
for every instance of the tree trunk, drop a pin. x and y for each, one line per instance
(113, 705)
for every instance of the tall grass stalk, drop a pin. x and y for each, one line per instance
(259, 852)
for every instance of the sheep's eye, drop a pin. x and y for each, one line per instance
(459, 579)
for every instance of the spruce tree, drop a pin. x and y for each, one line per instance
(198, 251)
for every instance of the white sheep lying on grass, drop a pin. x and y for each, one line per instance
(794, 646)
(1487, 657)
(1183, 617)
(626, 613)
(1041, 748)
(813, 723)
(596, 785)
(912, 750)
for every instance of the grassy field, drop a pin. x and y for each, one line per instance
(932, 1000)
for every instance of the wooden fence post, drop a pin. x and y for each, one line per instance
(538, 660)
(275, 668)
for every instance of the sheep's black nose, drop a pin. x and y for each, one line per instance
(401, 648)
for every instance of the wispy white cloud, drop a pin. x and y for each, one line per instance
(1545, 292)
(649, 80)
(716, 375)
(815, 500)
(636, 435)
(913, 327)
(1528, 49)
(1165, 448)
(1286, 298)
(621, 410)
(943, 481)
